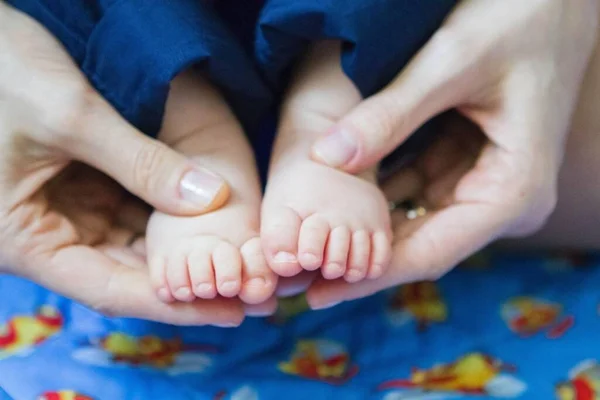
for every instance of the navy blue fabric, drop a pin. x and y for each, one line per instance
(131, 50)
(380, 36)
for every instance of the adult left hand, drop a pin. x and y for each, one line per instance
(514, 69)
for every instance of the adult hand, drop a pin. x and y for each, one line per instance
(60, 221)
(514, 69)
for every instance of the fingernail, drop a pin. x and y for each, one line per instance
(325, 305)
(251, 312)
(335, 149)
(283, 257)
(227, 325)
(200, 187)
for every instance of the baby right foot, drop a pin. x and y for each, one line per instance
(217, 253)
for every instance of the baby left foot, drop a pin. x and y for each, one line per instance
(314, 216)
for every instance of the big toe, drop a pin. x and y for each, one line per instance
(279, 234)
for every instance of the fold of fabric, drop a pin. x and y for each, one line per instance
(131, 50)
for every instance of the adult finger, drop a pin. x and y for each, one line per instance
(441, 76)
(118, 290)
(445, 239)
(146, 167)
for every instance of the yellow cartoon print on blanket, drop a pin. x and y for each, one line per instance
(321, 360)
(472, 374)
(420, 302)
(171, 355)
(527, 316)
(20, 334)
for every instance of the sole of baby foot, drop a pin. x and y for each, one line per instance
(316, 217)
(206, 267)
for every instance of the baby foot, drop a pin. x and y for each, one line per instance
(218, 253)
(314, 216)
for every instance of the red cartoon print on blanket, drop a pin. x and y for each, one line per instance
(20, 334)
(583, 383)
(63, 395)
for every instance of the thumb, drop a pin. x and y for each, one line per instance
(431, 83)
(149, 169)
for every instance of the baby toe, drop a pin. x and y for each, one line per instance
(227, 264)
(259, 281)
(311, 243)
(336, 257)
(360, 254)
(381, 254)
(178, 277)
(158, 270)
(201, 272)
(279, 235)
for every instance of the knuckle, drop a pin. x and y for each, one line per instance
(148, 161)
(450, 44)
(380, 120)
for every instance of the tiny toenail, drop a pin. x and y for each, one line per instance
(229, 286)
(183, 292)
(335, 268)
(310, 259)
(203, 287)
(354, 274)
(164, 295)
(284, 257)
(256, 282)
(376, 270)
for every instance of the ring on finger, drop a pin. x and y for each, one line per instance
(411, 208)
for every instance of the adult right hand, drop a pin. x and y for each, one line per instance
(514, 68)
(57, 218)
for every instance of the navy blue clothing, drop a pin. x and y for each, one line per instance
(379, 36)
(131, 50)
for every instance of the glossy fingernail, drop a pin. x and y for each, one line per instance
(201, 187)
(335, 149)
